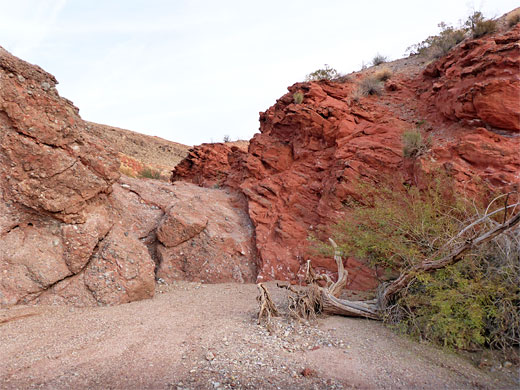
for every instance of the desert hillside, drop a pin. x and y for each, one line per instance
(139, 151)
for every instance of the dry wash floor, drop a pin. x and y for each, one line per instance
(193, 336)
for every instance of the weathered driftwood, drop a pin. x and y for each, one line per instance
(329, 301)
(267, 307)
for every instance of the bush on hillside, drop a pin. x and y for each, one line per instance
(378, 59)
(513, 18)
(327, 73)
(383, 74)
(127, 171)
(472, 304)
(480, 26)
(298, 97)
(414, 144)
(150, 173)
(369, 86)
(436, 46)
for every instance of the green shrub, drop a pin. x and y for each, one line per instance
(480, 26)
(413, 144)
(513, 18)
(150, 173)
(398, 227)
(327, 73)
(436, 46)
(127, 171)
(378, 59)
(471, 304)
(468, 305)
(370, 86)
(298, 97)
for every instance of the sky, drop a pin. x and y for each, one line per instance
(196, 71)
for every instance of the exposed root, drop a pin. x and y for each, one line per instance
(267, 307)
(306, 303)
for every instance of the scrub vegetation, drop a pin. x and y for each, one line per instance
(469, 304)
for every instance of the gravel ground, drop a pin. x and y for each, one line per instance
(193, 336)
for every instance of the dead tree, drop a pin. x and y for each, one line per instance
(267, 307)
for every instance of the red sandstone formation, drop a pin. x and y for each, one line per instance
(72, 231)
(308, 157)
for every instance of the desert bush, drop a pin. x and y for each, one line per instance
(226, 138)
(480, 26)
(369, 86)
(127, 171)
(414, 144)
(378, 59)
(438, 45)
(383, 74)
(298, 97)
(327, 73)
(513, 18)
(150, 173)
(472, 304)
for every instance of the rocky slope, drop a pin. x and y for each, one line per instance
(73, 231)
(139, 152)
(303, 167)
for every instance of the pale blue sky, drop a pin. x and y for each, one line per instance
(194, 71)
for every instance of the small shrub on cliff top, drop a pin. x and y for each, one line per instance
(513, 18)
(471, 304)
(480, 26)
(438, 45)
(327, 73)
(378, 59)
(298, 97)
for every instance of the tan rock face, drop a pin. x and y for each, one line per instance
(180, 224)
(48, 162)
(206, 236)
(73, 232)
(121, 270)
(303, 167)
(57, 243)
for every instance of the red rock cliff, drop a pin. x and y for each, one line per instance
(307, 158)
